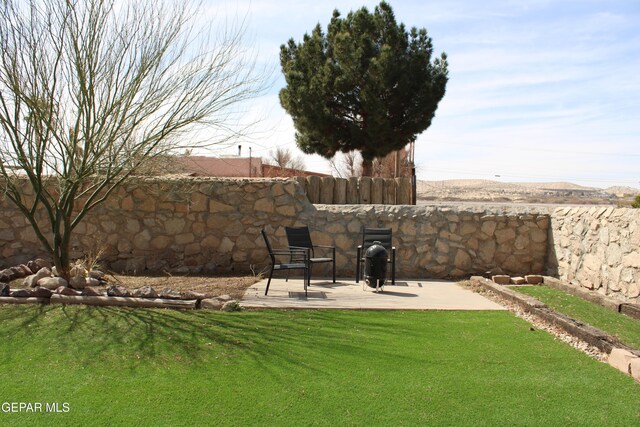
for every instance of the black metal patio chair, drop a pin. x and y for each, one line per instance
(300, 238)
(385, 237)
(298, 260)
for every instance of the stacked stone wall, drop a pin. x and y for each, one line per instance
(202, 225)
(439, 242)
(597, 248)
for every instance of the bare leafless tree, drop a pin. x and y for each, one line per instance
(284, 158)
(346, 165)
(92, 90)
(392, 165)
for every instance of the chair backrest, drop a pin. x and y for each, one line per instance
(382, 235)
(299, 236)
(269, 248)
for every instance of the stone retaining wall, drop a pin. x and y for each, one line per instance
(598, 249)
(211, 224)
(439, 242)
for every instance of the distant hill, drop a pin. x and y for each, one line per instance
(479, 190)
(626, 191)
(557, 186)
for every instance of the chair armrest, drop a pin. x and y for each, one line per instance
(324, 246)
(293, 251)
(289, 251)
(299, 253)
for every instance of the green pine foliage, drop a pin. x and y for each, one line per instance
(368, 84)
(636, 202)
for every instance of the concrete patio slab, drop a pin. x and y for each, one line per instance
(346, 294)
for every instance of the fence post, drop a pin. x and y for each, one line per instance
(403, 191)
(377, 190)
(326, 190)
(389, 194)
(340, 191)
(313, 188)
(365, 190)
(352, 191)
(303, 183)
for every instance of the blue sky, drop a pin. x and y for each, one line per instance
(538, 90)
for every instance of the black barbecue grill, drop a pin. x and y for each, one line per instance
(375, 266)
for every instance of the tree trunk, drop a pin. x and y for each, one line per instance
(62, 264)
(61, 258)
(367, 167)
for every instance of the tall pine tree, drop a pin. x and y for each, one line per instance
(367, 85)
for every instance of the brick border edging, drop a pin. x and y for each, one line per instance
(107, 301)
(125, 302)
(631, 310)
(23, 300)
(587, 333)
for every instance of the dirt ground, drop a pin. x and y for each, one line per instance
(234, 286)
(210, 286)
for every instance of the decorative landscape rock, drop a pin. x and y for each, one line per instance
(90, 292)
(192, 295)
(145, 292)
(32, 281)
(534, 279)
(53, 283)
(64, 290)
(90, 281)
(40, 292)
(16, 273)
(211, 304)
(621, 359)
(169, 293)
(20, 293)
(42, 273)
(33, 266)
(5, 276)
(38, 264)
(96, 274)
(26, 271)
(501, 279)
(77, 282)
(117, 291)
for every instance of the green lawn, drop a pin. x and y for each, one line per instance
(117, 366)
(626, 328)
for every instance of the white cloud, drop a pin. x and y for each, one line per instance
(544, 90)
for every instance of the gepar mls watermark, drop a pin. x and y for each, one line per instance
(35, 407)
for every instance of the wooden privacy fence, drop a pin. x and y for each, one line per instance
(353, 191)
